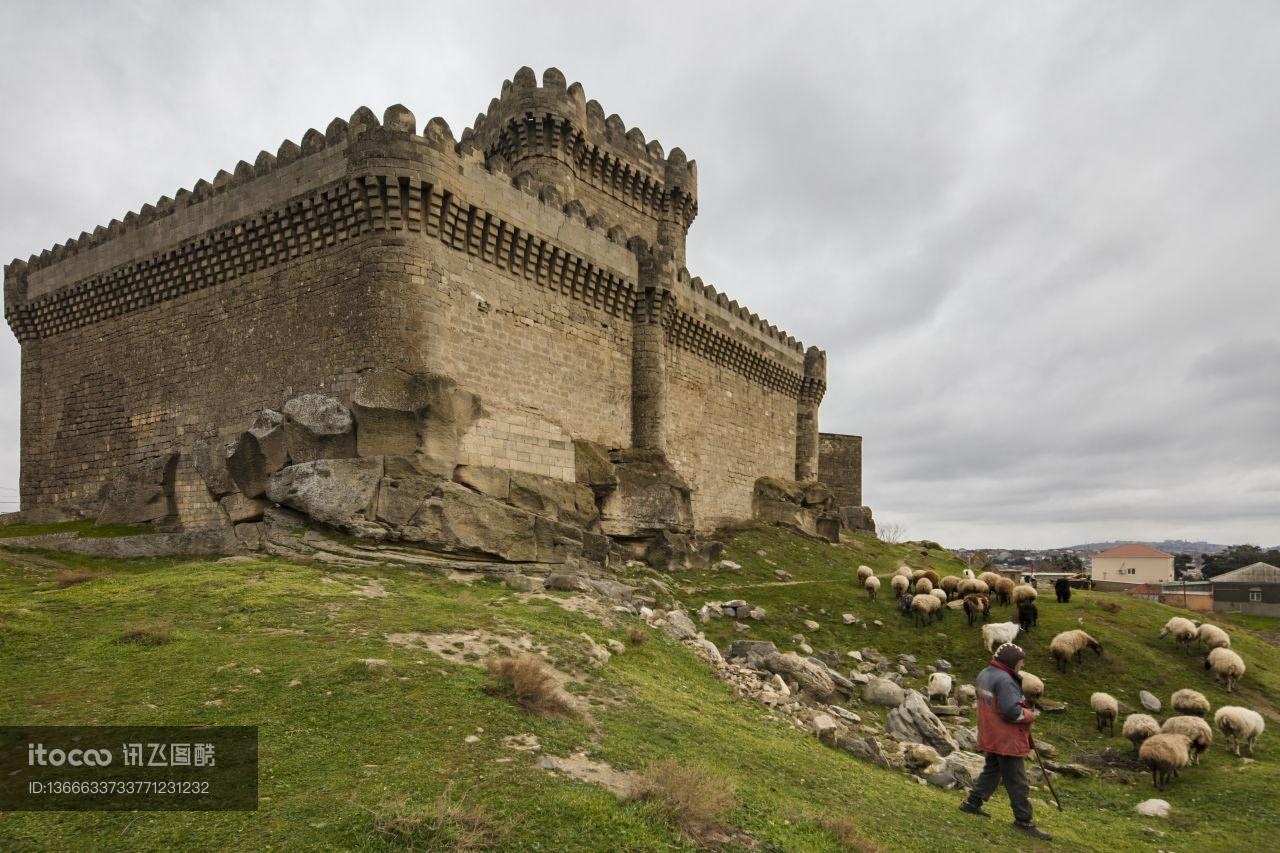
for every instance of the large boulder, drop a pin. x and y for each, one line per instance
(317, 426)
(857, 519)
(402, 413)
(338, 492)
(209, 458)
(752, 652)
(670, 551)
(649, 496)
(812, 679)
(805, 507)
(258, 453)
(455, 519)
(914, 722)
(882, 691)
(960, 769)
(593, 468)
(240, 509)
(140, 493)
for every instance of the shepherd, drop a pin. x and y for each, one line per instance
(1004, 735)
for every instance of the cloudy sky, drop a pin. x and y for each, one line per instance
(1039, 241)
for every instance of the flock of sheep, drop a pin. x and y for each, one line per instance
(1164, 748)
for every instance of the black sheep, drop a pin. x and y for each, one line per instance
(1062, 587)
(1028, 615)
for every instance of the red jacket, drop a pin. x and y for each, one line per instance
(1004, 717)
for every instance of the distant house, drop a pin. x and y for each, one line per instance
(1252, 589)
(1128, 566)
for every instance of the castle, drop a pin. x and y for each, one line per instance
(538, 262)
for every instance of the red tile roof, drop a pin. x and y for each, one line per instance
(1132, 550)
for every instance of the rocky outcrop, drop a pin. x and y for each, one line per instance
(914, 722)
(649, 496)
(140, 493)
(318, 427)
(399, 413)
(805, 507)
(258, 453)
(857, 519)
(339, 492)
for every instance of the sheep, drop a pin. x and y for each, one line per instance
(904, 604)
(949, 584)
(925, 608)
(904, 571)
(1105, 709)
(940, 686)
(1165, 754)
(981, 587)
(1003, 589)
(923, 586)
(1062, 588)
(966, 586)
(1196, 730)
(976, 607)
(1225, 664)
(916, 574)
(1032, 687)
(899, 584)
(998, 633)
(1028, 615)
(864, 572)
(1183, 630)
(934, 577)
(1213, 637)
(968, 573)
(1190, 702)
(1023, 592)
(966, 694)
(1068, 646)
(1139, 727)
(989, 578)
(1239, 724)
(942, 600)
(873, 586)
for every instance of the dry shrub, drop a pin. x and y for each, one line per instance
(637, 635)
(148, 633)
(688, 798)
(450, 823)
(71, 577)
(529, 681)
(845, 829)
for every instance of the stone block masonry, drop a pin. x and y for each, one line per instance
(538, 261)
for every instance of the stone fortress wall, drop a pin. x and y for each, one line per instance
(538, 261)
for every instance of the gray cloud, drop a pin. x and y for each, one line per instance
(1037, 242)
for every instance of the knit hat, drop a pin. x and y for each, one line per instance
(1010, 654)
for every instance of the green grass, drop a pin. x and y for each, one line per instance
(84, 527)
(345, 745)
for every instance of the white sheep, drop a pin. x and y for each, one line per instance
(1139, 727)
(941, 595)
(1183, 630)
(999, 633)
(1165, 754)
(1105, 710)
(966, 694)
(1213, 637)
(864, 572)
(1032, 687)
(873, 586)
(899, 584)
(940, 686)
(1196, 730)
(1239, 724)
(1023, 592)
(925, 608)
(904, 571)
(989, 578)
(924, 586)
(1226, 665)
(1068, 646)
(949, 585)
(1191, 702)
(968, 573)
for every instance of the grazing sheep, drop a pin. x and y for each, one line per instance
(1028, 615)
(949, 584)
(1003, 589)
(966, 694)
(1165, 754)
(1196, 730)
(1226, 665)
(904, 604)
(942, 600)
(1024, 592)
(864, 572)
(873, 586)
(1190, 702)
(1105, 710)
(899, 584)
(1032, 687)
(976, 608)
(1213, 637)
(967, 586)
(1062, 588)
(989, 578)
(981, 587)
(940, 686)
(1183, 630)
(925, 608)
(1139, 727)
(1067, 646)
(905, 571)
(934, 577)
(997, 633)
(1239, 724)
(968, 573)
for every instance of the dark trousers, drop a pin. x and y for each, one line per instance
(1011, 770)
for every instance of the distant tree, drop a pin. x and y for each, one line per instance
(1181, 563)
(891, 532)
(1236, 557)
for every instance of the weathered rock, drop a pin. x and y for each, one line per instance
(1079, 771)
(960, 769)
(566, 502)
(810, 625)
(670, 551)
(455, 519)
(400, 413)
(611, 589)
(1150, 702)
(401, 496)
(258, 453)
(841, 682)
(751, 651)
(921, 756)
(339, 492)
(487, 480)
(209, 458)
(811, 678)
(1153, 808)
(140, 493)
(317, 426)
(649, 496)
(707, 649)
(914, 722)
(250, 535)
(593, 468)
(566, 582)
(882, 691)
(824, 726)
(800, 506)
(866, 748)
(857, 519)
(241, 509)
(524, 583)
(966, 738)
(679, 625)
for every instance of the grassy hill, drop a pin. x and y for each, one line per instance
(416, 753)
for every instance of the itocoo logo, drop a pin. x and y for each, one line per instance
(38, 755)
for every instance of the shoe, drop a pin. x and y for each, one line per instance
(971, 809)
(1032, 830)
